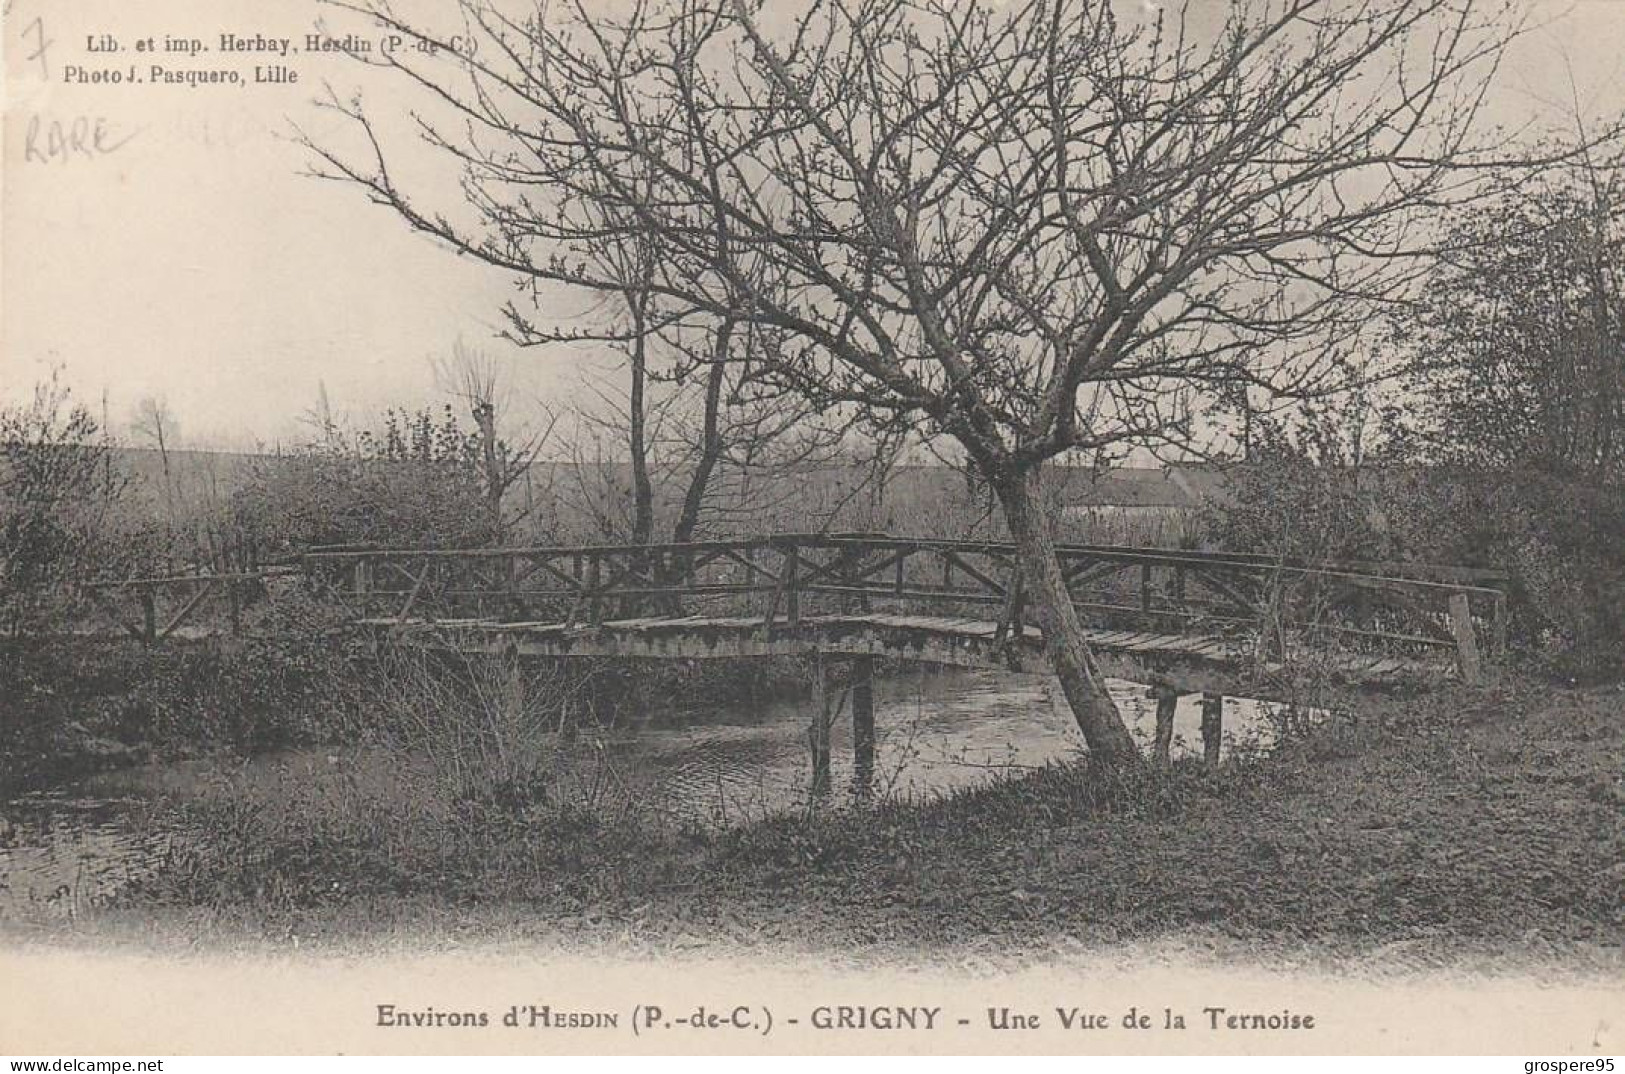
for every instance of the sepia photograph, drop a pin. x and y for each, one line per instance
(813, 527)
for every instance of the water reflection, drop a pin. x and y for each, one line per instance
(935, 733)
(59, 854)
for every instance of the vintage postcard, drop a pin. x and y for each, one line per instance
(879, 526)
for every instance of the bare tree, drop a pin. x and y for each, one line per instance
(154, 423)
(1518, 344)
(1032, 229)
(691, 442)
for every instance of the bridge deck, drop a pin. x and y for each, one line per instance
(960, 603)
(958, 642)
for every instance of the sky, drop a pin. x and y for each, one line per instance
(165, 243)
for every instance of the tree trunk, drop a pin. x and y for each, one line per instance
(1092, 706)
(643, 516)
(711, 445)
(643, 512)
(496, 477)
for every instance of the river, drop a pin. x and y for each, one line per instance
(64, 849)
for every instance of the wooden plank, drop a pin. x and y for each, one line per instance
(1108, 638)
(952, 641)
(573, 584)
(112, 611)
(186, 609)
(1088, 570)
(1123, 554)
(752, 568)
(992, 584)
(417, 587)
(1210, 581)
(958, 596)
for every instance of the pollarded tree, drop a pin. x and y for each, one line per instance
(476, 378)
(1031, 228)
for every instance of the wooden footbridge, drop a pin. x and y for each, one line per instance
(945, 602)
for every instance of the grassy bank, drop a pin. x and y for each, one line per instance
(71, 706)
(1483, 821)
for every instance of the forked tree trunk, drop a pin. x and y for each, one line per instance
(1092, 706)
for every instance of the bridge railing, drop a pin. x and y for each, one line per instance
(154, 609)
(782, 578)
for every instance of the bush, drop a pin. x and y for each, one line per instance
(1559, 535)
(65, 707)
(56, 485)
(1562, 538)
(415, 484)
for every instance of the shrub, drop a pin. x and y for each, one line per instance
(1560, 535)
(56, 485)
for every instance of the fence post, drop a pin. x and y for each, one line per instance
(792, 584)
(1461, 627)
(510, 581)
(1498, 627)
(595, 608)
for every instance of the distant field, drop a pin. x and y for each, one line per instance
(1129, 505)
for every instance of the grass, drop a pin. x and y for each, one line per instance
(1467, 821)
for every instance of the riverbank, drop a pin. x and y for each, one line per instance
(72, 707)
(1456, 825)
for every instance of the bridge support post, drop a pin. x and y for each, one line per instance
(863, 726)
(513, 684)
(1212, 727)
(568, 724)
(1461, 626)
(818, 731)
(363, 583)
(149, 617)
